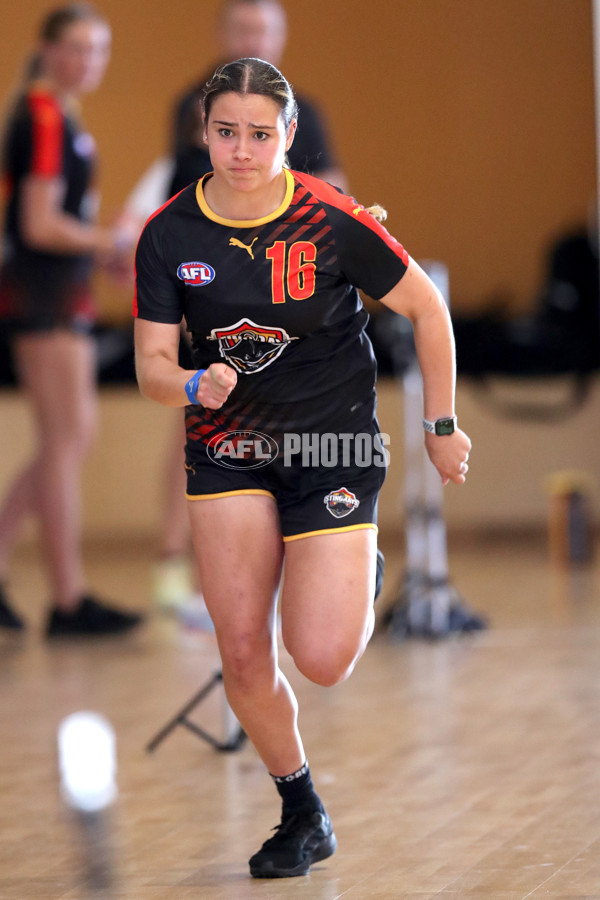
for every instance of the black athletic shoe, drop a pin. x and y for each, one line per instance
(302, 839)
(379, 574)
(91, 618)
(8, 617)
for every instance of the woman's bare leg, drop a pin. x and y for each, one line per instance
(327, 615)
(18, 504)
(57, 369)
(239, 549)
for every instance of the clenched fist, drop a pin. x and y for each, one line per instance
(449, 453)
(216, 385)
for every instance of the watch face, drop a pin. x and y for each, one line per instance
(444, 426)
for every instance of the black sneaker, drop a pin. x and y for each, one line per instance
(8, 617)
(379, 574)
(91, 618)
(302, 839)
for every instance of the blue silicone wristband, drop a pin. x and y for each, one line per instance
(191, 387)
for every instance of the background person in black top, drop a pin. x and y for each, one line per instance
(250, 28)
(264, 264)
(45, 304)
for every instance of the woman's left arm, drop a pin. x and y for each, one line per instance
(416, 297)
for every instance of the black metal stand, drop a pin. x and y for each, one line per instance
(429, 608)
(235, 735)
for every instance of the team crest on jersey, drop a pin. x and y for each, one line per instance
(341, 503)
(195, 274)
(249, 347)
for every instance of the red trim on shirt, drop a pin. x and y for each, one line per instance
(345, 203)
(47, 135)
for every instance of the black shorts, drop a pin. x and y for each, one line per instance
(41, 299)
(321, 483)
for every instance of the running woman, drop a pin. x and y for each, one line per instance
(264, 264)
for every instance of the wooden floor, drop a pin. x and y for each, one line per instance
(467, 768)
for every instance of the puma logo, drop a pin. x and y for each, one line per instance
(357, 210)
(233, 242)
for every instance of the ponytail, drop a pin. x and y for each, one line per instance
(378, 212)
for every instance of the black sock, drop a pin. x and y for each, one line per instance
(297, 790)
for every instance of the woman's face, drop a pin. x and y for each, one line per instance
(76, 62)
(247, 140)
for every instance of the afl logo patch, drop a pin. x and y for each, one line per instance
(242, 449)
(195, 274)
(341, 503)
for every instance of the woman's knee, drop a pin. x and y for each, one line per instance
(73, 436)
(247, 659)
(326, 663)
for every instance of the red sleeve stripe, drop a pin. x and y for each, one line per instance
(328, 194)
(47, 135)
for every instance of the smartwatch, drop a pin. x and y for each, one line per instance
(440, 426)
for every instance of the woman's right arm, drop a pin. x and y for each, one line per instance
(45, 226)
(159, 376)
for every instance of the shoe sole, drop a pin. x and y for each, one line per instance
(326, 848)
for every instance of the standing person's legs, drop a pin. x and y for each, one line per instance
(57, 369)
(176, 584)
(19, 502)
(16, 506)
(171, 577)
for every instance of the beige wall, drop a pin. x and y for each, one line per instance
(471, 120)
(510, 463)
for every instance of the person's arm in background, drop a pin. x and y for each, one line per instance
(46, 227)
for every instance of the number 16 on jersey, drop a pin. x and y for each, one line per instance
(294, 266)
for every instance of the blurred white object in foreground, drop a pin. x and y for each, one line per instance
(87, 761)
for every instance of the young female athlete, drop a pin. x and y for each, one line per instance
(45, 304)
(264, 263)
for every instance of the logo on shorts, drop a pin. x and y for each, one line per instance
(249, 347)
(195, 274)
(341, 503)
(242, 449)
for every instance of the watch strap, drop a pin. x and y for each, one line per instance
(440, 426)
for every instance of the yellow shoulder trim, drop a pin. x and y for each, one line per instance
(244, 223)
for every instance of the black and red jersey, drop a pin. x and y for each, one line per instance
(42, 140)
(276, 298)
